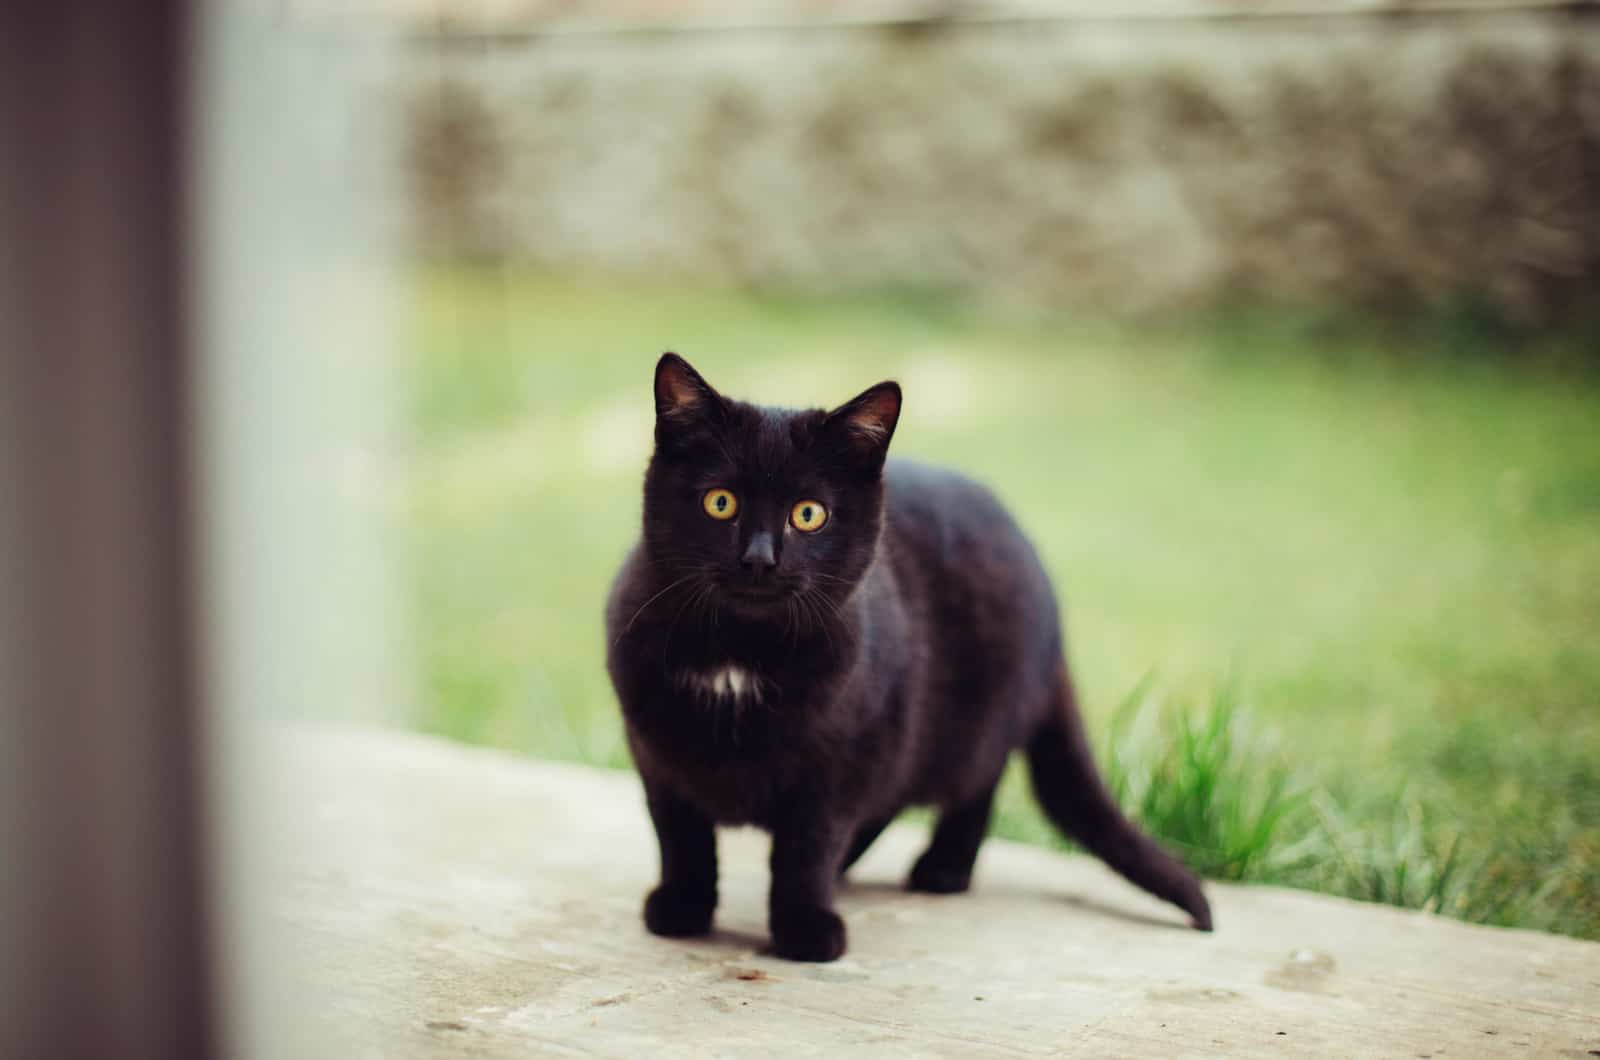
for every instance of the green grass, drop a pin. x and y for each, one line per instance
(1367, 580)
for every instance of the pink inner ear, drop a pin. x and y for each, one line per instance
(679, 392)
(681, 395)
(874, 415)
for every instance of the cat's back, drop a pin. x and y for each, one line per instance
(981, 625)
(935, 512)
(957, 549)
(939, 494)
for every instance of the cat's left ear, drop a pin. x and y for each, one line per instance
(685, 403)
(864, 424)
(681, 393)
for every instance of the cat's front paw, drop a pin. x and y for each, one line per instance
(679, 912)
(807, 933)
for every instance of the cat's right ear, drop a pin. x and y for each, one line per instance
(861, 427)
(683, 398)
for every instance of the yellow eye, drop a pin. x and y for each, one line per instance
(720, 504)
(808, 516)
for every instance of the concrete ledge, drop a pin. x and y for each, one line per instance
(455, 902)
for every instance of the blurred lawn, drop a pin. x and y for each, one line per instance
(1388, 566)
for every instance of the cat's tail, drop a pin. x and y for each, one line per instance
(1073, 795)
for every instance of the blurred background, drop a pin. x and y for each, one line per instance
(1276, 323)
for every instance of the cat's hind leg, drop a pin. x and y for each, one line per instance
(946, 866)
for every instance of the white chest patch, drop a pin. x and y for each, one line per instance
(725, 682)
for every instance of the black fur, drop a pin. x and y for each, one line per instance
(894, 657)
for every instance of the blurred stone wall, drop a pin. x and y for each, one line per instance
(1129, 165)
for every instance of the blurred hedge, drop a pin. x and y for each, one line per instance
(1399, 165)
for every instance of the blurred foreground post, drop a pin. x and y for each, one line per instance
(102, 906)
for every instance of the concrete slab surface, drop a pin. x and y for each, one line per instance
(451, 902)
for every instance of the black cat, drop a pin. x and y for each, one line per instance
(809, 642)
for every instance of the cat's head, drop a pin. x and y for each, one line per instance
(761, 510)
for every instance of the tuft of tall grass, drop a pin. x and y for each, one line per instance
(1416, 861)
(1213, 787)
(1203, 781)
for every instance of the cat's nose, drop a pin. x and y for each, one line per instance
(759, 557)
